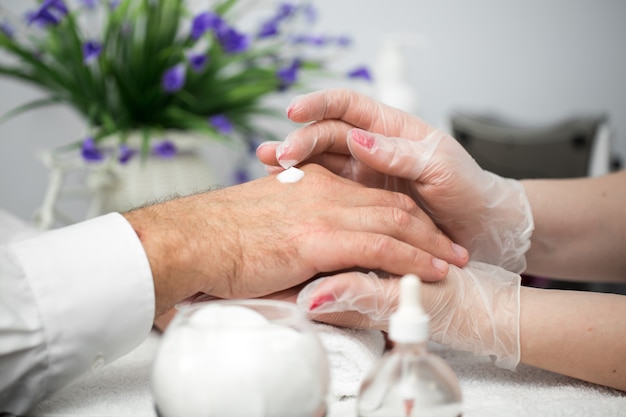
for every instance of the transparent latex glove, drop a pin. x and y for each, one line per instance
(475, 309)
(488, 215)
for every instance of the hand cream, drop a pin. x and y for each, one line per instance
(290, 175)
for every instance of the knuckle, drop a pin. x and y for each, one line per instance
(437, 239)
(401, 218)
(418, 257)
(405, 202)
(380, 246)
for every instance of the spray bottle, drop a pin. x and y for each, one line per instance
(408, 380)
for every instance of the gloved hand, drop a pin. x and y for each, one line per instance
(488, 215)
(474, 309)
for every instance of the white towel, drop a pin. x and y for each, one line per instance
(121, 389)
(528, 391)
(351, 355)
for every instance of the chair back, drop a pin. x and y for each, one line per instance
(562, 149)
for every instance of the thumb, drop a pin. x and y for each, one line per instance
(398, 157)
(351, 299)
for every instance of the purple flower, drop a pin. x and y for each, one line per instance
(113, 4)
(221, 123)
(91, 51)
(311, 13)
(310, 39)
(360, 72)
(7, 29)
(89, 4)
(204, 22)
(125, 153)
(165, 149)
(285, 10)
(232, 41)
(174, 78)
(198, 61)
(57, 5)
(269, 29)
(241, 175)
(289, 75)
(49, 13)
(90, 151)
(344, 41)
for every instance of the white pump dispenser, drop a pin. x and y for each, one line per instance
(391, 74)
(408, 380)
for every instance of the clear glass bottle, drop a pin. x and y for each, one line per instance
(408, 380)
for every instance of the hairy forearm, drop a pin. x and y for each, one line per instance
(580, 228)
(579, 334)
(160, 246)
(183, 261)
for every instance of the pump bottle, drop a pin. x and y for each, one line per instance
(408, 380)
(391, 74)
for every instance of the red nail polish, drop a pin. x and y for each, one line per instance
(364, 139)
(318, 302)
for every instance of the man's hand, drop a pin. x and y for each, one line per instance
(265, 236)
(379, 146)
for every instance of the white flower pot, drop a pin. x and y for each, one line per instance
(141, 181)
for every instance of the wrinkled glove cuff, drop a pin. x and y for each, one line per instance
(484, 316)
(508, 225)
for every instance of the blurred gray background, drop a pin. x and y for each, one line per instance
(531, 60)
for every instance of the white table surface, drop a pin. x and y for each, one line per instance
(122, 390)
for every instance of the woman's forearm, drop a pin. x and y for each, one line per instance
(580, 228)
(575, 333)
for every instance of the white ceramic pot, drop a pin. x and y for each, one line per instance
(141, 181)
(240, 358)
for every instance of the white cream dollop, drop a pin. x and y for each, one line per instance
(290, 175)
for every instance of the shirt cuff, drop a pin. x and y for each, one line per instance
(93, 286)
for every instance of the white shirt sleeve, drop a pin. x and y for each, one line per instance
(71, 300)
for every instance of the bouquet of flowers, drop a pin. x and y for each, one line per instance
(153, 66)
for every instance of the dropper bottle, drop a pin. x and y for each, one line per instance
(408, 380)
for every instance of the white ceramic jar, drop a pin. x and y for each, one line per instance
(248, 358)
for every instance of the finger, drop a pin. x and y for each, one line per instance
(311, 140)
(336, 163)
(342, 104)
(357, 110)
(352, 299)
(266, 152)
(346, 249)
(306, 142)
(414, 228)
(393, 156)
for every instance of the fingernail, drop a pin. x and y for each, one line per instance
(267, 143)
(281, 151)
(460, 251)
(440, 265)
(292, 105)
(320, 301)
(363, 138)
(258, 148)
(289, 111)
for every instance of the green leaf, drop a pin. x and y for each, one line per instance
(29, 106)
(121, 91)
